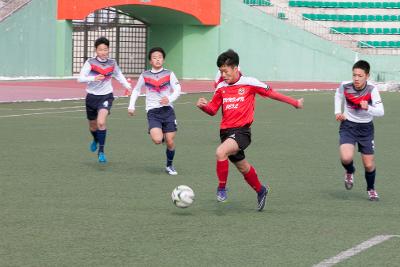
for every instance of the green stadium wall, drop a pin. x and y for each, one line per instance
(34, 43)
(269, 48)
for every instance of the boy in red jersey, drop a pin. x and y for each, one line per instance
(236, 95)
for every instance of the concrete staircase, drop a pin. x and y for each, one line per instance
(8, 7)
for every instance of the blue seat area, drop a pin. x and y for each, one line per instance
(362, 30)
(343, 17)
(257, 2)
(349, 4)
(379, 44)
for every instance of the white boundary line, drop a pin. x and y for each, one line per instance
(182, 93)
(376, 240)
(69, 111)
(79, 108)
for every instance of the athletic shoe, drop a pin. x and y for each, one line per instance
(221, 194)
(348, 180)
(102, 158)
(171, 170)
(93, 146)
(373, 195)
(262, 197)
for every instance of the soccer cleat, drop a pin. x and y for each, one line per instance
(93, 146)
(171, 170)
(373, 195)
(348, 180)
(262, 197)
(102, 158)
(221, 194)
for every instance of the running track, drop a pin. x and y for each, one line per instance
(39, 90)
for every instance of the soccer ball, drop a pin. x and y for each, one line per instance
(182, 196)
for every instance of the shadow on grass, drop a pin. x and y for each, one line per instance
(350, 195)
(230, 207)
(182, 212)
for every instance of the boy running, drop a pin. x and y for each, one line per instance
(97, 72)
(236, 95)
(362, 103)
(162, 89)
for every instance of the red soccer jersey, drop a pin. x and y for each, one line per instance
(238, 101)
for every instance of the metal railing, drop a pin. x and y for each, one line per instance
(126, 34)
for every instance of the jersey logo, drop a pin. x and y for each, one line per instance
(241, 91)
(157, 85)
(103, 71)
(354, 99)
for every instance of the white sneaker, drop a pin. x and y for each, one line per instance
(373, 195)
(171, 170)
(348, 180)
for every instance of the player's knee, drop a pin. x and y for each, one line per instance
(220, 154)
(369, 167)
(346, 160)
(170, 143)
(157, 141)
(243, 169)
(101, 125)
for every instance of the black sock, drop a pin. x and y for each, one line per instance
(94, 133)
(170, 156)
(370, 178)
(101, 136)
(349, 167)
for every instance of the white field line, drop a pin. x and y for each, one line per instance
(62, 99)
(79, 108)
(68, 111)
(323, 92)
(376, 240)
(43, 100)
(39, 113)
(59, 108)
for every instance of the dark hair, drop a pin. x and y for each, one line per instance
(229, 58)
(362, 64)
(101, 40)
(156, 49)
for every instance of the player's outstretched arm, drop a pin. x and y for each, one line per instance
(297, 103)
